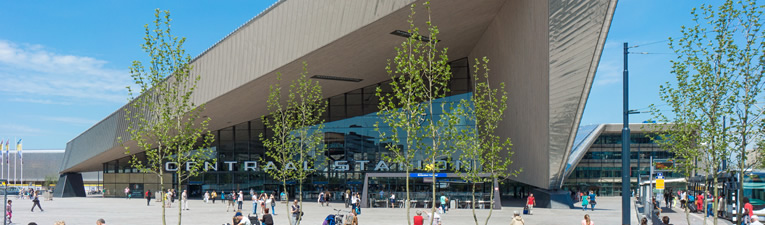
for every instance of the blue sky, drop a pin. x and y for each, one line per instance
(64, 64)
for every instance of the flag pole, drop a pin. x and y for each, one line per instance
(15, 162)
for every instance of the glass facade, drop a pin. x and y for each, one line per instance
(600, 168)
(353, 148)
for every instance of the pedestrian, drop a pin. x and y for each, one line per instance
(36, 202)
(683, 199)
(665, 220)
(267, 219)
(699, 202)
(586, 220)
(255, 204)
(592, 201)
(272, 202)
(172, 195)
(353, 219)
(242, 220)
(530, 203)
(240, 200)
(230, 201)
(442, 200)
(721, 205)
(517, 220)
(748, 208)
(327, 197)
(214, 195)
(392, 200)
(168, 196)
(358, 204)
(262, 202)
(185, 200)
(418, 218)
(353, 202)
(148, 197)
(127, 192)
(223, 196)
(296, 213)
(755, 221)
(100, 221)
(584, 203)
(435, 217)
(206, 197)
(347, 198)
(321, 198)
(9, 211)
(709, 199)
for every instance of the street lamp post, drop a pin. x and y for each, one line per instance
(625, 144)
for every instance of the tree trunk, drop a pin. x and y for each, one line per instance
(162, 186)
(491, 207)
(475, 218)
(287, 196)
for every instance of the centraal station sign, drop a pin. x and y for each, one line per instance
(339, 165)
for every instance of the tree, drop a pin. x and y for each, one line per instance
(297, 125)
(718, 72)
(483, 152)
(420, 74)
(163, 120)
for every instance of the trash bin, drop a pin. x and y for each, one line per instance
(452, 204)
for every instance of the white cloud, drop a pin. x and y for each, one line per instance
(70, 120)
(608, 73)
(34, 73)
(39, 101)
(7, 130)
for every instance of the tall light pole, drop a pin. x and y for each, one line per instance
(626, 144)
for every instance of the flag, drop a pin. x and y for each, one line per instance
(18, 151)
(7, 151)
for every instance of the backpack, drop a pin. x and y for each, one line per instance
(330, 220)
(691, 198)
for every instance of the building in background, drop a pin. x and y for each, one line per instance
(595, 163)
(546, 52)
(39, 166)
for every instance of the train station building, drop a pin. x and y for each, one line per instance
(546, 52)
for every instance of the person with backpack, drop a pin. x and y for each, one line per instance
(148, 197)
(267, 219)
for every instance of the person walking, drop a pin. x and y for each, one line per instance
(587, 221)
(347, 198)
(255, 203)
(296, 213)
(530, 203)
(272, 202)
(214, 195)
(36, 202)
(185, 200)
(392, 200)
(592, 201)
(148, 197)
(321, 198)
(517, 219)
(327, 197)
(127, 192)
(240, 200)
(230, 201)
(207, 197)
(584, 203)
(167, 199)
(9, 211)
(267, 219)
(442, 200)
(353, 202)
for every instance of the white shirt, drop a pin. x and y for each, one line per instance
(354, 199)
(245, 221)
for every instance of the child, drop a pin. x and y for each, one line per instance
(9, 211)
(585, 202)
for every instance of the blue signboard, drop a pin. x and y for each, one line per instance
(427, 175)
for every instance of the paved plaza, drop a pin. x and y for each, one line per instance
(117, 211)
